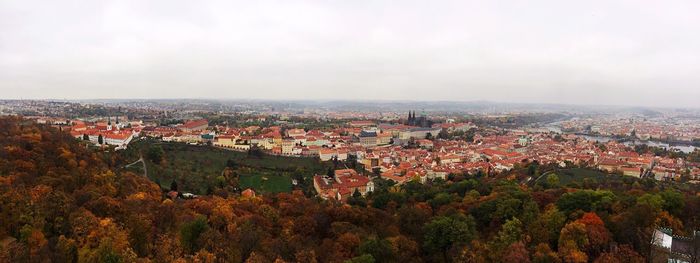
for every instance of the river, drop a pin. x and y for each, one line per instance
(682, 148)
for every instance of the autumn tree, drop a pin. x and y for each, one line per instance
(190, 232)
(572, 240)
(380, 249)
(598, 235)
(516, 252)
(544, 254)
(404, 249)
(446, 232)
(510, 233)
(622, 254)
(61, 202)
(65, 250)
(546, 228)
(585, 200)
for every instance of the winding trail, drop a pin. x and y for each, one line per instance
(143, 162)
(531, 182)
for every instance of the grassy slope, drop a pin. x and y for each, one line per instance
(576, 175)
(196, 167)
(266, 183)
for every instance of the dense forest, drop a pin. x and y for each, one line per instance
(61, 202)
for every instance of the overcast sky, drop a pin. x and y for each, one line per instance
(572, 52)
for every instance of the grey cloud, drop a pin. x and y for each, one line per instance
(592, 52)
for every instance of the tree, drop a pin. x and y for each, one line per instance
(570, 253)
(352, 160)
(446, 232)
(533, 169)
(552, 181)
(335, 161)
(204, 256)
(412, 219)
(376, 171)
(66, 250)
(357, 199)
(666, 220)
(440, 200)
(635, 226)
(100, 140)
(167, 248)
(572, 240)
(623, 254)
(155, 154)
(38, 246)
(190, 232)
(673, 201)
(310, 256)
(249, 236)
(86, 137)
(652, 200)
(516, 253)
(510, 233)
(231, 163)
(380, 249)
(404, 249)
(598, 235)
(366, 258)
(255, 152)
(585, 200)
(546, 228)
(411, 143)
(443, 134)
(544, 254)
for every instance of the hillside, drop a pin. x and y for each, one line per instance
(197, 168)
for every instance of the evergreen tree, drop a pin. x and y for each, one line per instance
(155, 154)
(231, 163)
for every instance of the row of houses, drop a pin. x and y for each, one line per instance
(374, 147)
(342, 185)
(115, 134)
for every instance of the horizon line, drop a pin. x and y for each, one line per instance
(355, 100)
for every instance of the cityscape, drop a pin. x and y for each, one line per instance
(349, 131)
(349, 155)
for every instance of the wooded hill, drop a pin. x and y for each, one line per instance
(60, 202)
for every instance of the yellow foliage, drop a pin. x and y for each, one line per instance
(39, 192)
(137, 196)
(204, 256)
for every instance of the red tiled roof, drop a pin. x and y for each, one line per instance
(195, 124)
(117, 136)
